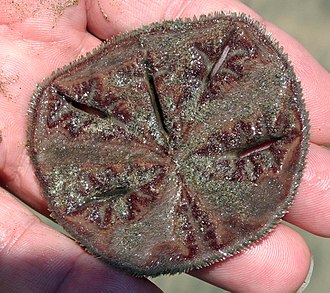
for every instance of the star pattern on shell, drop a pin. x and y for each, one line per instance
(173, 146)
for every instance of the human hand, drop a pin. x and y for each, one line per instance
(35, 40)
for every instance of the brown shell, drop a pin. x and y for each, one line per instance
(173, 146)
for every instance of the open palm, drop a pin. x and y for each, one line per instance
(35, 39)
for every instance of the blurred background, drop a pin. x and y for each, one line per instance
(308, 22)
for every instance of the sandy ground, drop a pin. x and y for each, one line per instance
(309, 22)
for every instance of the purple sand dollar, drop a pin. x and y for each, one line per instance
(173, 146)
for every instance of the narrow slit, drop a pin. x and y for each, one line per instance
(83, 107)
(256, 148)
(155, 101)
(114, 192)
(226, 44)
(104, 196)
(219, 63)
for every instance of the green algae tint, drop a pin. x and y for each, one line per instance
(173, 146)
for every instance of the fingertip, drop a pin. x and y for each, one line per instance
(278, 263)
(311, 207)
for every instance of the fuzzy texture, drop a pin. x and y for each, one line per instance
(173, 146)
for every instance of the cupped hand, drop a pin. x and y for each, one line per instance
(35, 39)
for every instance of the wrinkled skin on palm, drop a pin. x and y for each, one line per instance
(173, 146)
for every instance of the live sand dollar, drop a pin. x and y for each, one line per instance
(173, 146)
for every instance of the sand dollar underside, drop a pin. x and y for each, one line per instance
(173, 146)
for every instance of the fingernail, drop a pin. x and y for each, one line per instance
(308, 277)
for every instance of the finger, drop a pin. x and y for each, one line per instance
(50, 25)
(311, 208)
(43, 260)
(278, 263)
(106, 19)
